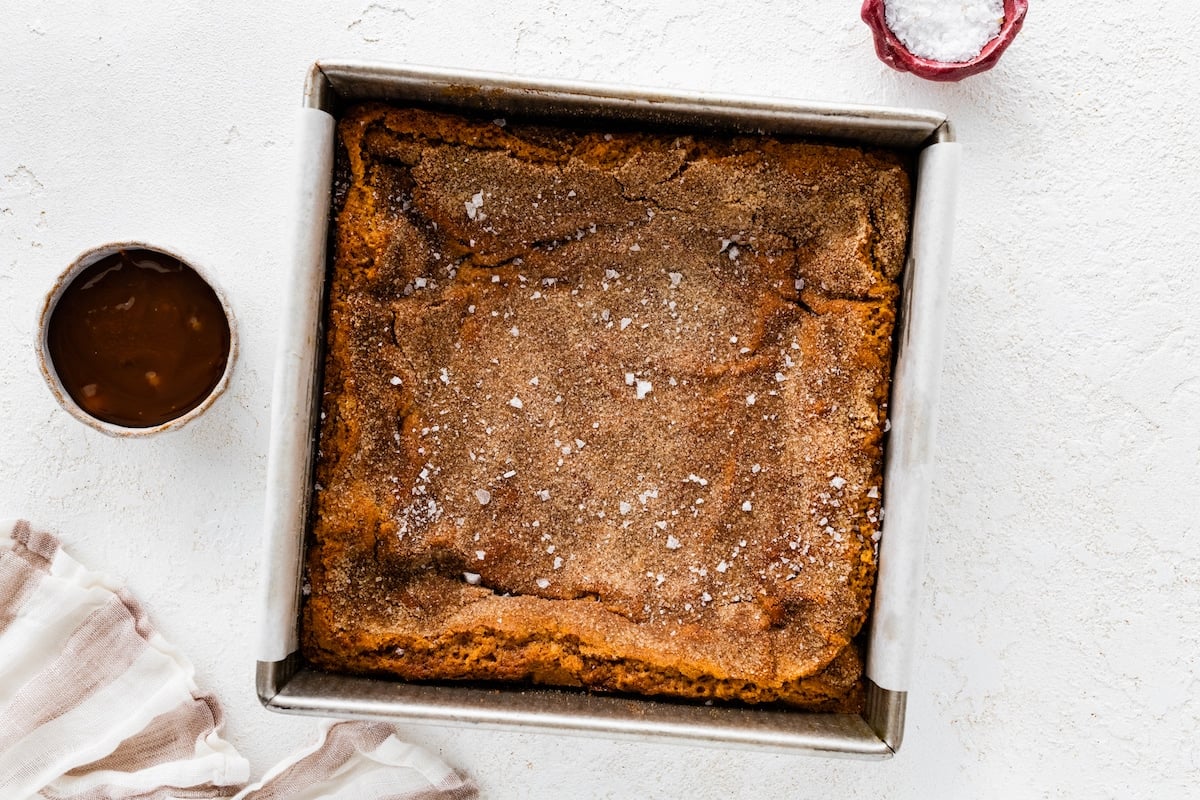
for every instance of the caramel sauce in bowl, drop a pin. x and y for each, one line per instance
(135, 340)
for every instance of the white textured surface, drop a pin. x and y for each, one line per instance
(1060, 645)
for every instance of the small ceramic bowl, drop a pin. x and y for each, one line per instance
(892, 51)
(46, 362)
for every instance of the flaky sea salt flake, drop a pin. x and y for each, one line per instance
(473, 205)
(516, 402)
(673, 543)
(644, 388)
(543, 583)
(483, 496)
(472, 578)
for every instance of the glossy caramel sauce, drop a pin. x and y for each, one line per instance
(138, 339)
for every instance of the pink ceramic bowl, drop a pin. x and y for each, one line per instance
(892, 52)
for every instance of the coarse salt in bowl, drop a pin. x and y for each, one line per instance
(943, 40)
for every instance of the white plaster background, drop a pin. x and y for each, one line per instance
(1061, 631)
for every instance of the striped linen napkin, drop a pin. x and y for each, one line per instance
(95, 704)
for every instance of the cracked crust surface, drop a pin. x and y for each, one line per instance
(603, 410)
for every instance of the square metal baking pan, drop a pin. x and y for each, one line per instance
(286, 683)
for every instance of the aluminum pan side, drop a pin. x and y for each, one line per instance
(332, 82)
(578, 713)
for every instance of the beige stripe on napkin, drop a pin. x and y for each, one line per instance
(362, 760)
(37, 547)
(17, 582)
(169, 737)
(97, 652)
(119, 792)
(21, 569)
